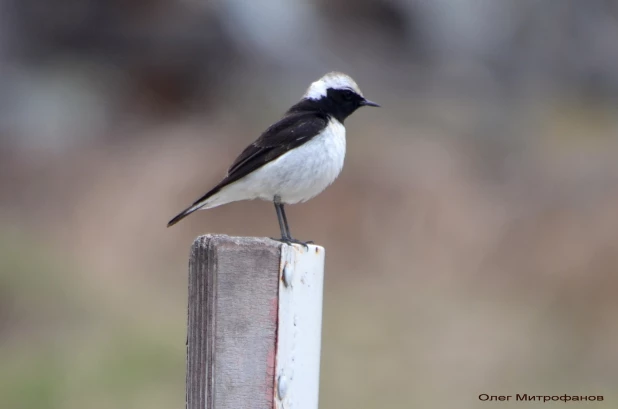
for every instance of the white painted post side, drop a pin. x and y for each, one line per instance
(300, 327)
(254, 324)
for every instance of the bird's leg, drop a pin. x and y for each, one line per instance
(287, 228)
(285, 221)
(283, 225)
(281, 218)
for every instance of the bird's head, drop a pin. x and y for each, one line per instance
(338, 94)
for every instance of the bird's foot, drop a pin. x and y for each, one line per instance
(289, 240)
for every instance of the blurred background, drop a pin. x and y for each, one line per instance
(472, 238)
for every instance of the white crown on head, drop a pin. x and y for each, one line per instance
(334, 80)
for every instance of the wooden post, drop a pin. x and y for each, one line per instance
(254, 324)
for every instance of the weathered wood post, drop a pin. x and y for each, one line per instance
(254, 324)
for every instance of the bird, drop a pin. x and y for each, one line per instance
(296, 158)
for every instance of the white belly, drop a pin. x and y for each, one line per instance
(306, 171)
(296, 176)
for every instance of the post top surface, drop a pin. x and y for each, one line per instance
(224, 239)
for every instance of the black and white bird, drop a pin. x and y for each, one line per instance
(297, 157)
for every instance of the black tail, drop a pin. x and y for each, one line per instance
(197, 205)
(182, 215)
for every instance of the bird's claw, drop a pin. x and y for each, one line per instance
(289, 240)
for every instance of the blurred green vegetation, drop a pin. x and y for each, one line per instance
(59, 350)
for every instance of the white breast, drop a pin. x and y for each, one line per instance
(295, 176)
(307, 170)
(303, 172)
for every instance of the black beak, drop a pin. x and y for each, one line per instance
(368, 103)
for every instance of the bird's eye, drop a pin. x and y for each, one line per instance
(348, 95)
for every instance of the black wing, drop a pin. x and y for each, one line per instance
(293, 130)
(289, 133)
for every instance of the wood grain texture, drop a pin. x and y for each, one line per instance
(232, 322)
